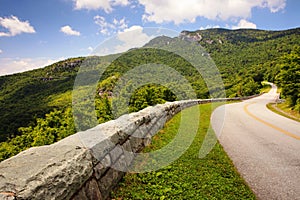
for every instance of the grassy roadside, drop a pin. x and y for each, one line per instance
(213, 177)
(284, 110)
(266, 87)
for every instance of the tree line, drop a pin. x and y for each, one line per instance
(36, 106)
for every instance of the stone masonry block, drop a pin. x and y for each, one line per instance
(106, 161)
(99, 170)
(120, 164)
(49, 172)
(136, 144)
(115, 153)
(92, 190)
(109, 181)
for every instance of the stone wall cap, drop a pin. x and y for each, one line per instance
(38, 169)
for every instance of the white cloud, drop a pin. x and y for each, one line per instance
(103, 24)
(126, 38)
(16, 65)
(124, 41)
(179, 11)
(120, 2)
(276, 5)
(209, 26)
(108, 28)
(15, 26)
(244, 24)
(1, 51)
(90, 49)
(69, 31)
(93, 5)
(106, 5)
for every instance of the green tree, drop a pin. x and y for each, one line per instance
(56, 125)
(289, 77)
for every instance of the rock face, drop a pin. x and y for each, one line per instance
(89, 164)
(194, 38)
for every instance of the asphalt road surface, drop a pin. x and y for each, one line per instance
(264, 146)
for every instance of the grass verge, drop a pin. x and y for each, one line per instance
(213, 177)
(284, 110)
(266, 88)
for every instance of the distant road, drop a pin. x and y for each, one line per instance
(264, 146)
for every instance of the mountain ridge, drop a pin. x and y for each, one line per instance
(244, 57)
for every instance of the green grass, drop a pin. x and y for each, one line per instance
(284, 110)
(266, 87)
(189, 177)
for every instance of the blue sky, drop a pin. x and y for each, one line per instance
(36, 33)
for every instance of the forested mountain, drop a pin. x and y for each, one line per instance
(36, 105)
(244, 56)
(26, 96)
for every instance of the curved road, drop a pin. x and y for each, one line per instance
(264, 146)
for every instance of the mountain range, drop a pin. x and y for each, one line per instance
(244, 58)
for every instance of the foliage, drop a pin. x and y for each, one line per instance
(284, 71)
(150, 95)
(243, 57)
(103, 109)
(266, 87)
(288, 78)
(243, 54)
(30, 95)
(55, 126)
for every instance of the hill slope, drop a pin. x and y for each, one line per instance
(25, 96)
(241, 55)
(244, 58)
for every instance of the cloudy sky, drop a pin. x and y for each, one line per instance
(36, 33)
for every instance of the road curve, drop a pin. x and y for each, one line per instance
(264, 146)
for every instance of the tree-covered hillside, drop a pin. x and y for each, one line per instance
(29, 95)
(36, 105)
(241, 55)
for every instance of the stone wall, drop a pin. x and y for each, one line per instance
(89, 164)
